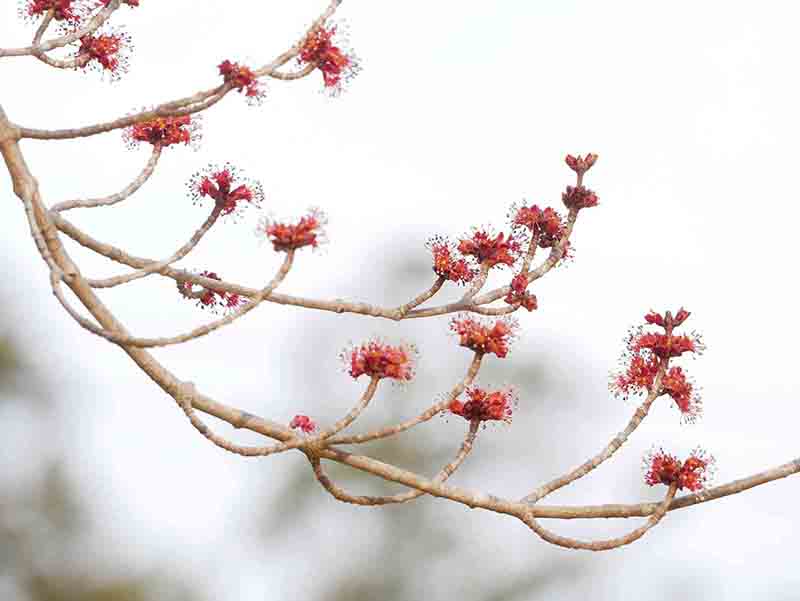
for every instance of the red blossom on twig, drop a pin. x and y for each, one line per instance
(337, 64)
(209, 298)
(243, 79)
(483, 405)
(308, 231)
(683, 392)
(579, 164)
(107, 52)
(303, 423)
(693, 474)
(63, 10)
(165, 131)
(446, 265)
(497, 250)
(518, 294)
(579, 197)
(380, 360)
(227, 187)
(487, 337)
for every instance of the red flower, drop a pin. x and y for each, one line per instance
(336, 64)
(227, 187)
(666, 346)
(579, 198)
(483, 405)
(518, 293)
(291, 236)
(303, 423)
(243, 79)
(675, 384)
(639, 375)
(493, 251)
(659, 320)
(63, 10)
(209, 298)
(547, 223)
(693, 474)
(105, 51)
(378, 359)
(579, 164)
(484, 337)
(165, 131)
(446, 266)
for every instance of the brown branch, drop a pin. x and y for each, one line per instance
(604, 545)
(447, 471)
(113, 199)
(426, 415)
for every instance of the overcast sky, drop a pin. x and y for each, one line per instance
(461, 109)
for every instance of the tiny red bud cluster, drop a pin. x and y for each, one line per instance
(326, 54)
(579, 164)
(377, 359)
(518, 293)
(484, 405)
(227, 187)
(209, 298)
(243, 79)
(693, 474)
(485, 337)
(579, 197)
(165, 131)
(303, 423)
(489, 250)
(308, 231)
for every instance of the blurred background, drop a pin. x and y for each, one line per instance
(462, 108)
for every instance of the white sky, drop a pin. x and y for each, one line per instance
(462, 108)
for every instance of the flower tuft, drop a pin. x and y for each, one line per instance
(227, 187)
(243, 79)
(684, 392)
(446, 265)
(484, 336)
(63, 10)
(209, 298)
(303, 423)
(308, 231)
(378, 359)
(165, 131)
(518, 293)
(579, 197)
(491, 250)
(327, 51)
(694, 474)
(483, 405)
(105, 52)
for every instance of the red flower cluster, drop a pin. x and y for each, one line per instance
(546, 224)
(291, 236)
(693, 474)
(484, 337)
(483, 405)
(663, 345)
(446, 265)
(659, 320)
(579, 164)
(209, 298)
(242, 79)
(380, 360)
(218, 183)
(337, 65)
(497, 250)
(676, 385)
(106, 51)
(165, 131)
(303, 423)
(579, 197)
(63, 10)
(518, 293)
